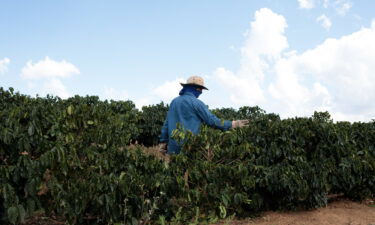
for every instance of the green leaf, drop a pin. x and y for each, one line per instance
(70, 110)
(13, 214)
(30, 130)
(223, 211)
(122, 175)
(22, 213)
(225, 199)
(30, 205)
(238, 198)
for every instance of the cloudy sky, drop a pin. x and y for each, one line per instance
(288, 57)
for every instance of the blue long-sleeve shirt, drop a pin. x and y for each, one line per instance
(189, 112)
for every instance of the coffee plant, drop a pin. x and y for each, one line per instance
(76, 159)
(151, 120)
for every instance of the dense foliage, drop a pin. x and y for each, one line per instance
(288, 164)
(150, 122)
(74, 159)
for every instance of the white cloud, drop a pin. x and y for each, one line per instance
(342, 6)
(49, 68)
(54, 86)
(168, 90)
(243, 89)
(306, 4)
(324, 21)
(112, 93)
(4, 65)
(265, 36)
(346, 68)
(265, 42)
(337, 75)
(165, 92)
(139, 103)
(49, 74)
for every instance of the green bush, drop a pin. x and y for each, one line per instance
(150, 123)
(73, 158)
(49, 134)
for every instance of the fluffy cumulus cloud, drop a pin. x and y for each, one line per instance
(324, 21)
(114, 94)
(338, 75)
(48, 68)
(342, 7)
(306, 4)
(264, 43)
(167, 91)
(4, 65)
(164, 92)
(344, 67)
(49, 74)
(56, 87)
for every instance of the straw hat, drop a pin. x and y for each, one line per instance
(195, 80)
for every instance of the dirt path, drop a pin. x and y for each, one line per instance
(341, 212)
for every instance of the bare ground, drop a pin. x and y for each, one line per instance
(340, 212)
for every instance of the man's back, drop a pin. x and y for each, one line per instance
(183, 111)
(190, 112)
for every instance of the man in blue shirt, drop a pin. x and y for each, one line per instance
(190, 112)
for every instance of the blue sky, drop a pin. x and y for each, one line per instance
(289, 57)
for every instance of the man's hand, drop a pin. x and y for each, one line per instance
(163, 148)
(240, 123)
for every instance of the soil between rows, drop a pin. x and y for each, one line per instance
(338, 212)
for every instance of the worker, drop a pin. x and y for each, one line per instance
(190, 112)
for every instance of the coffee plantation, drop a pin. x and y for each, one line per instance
(82, 161)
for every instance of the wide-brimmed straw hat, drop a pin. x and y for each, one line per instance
(196, 81)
